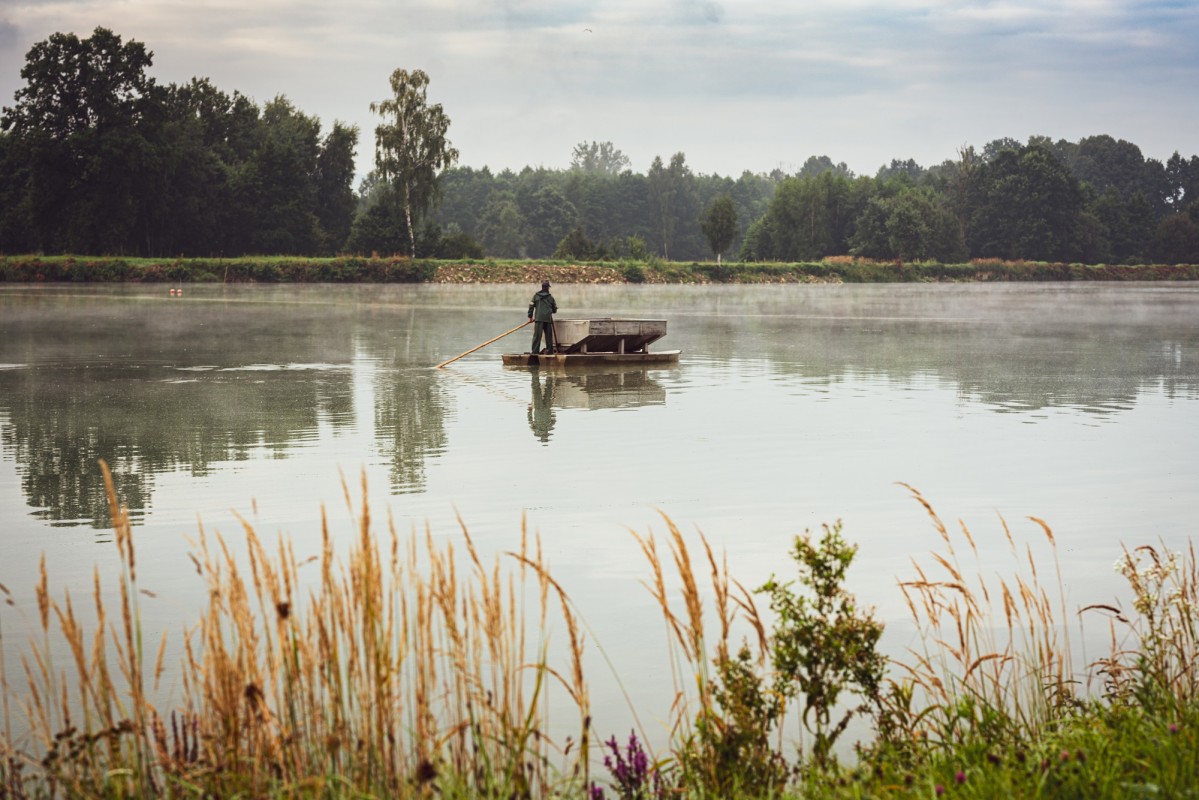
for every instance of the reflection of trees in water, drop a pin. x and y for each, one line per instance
(409, 424)
(1096, 371)
(143, 424)
(56, 452)
(1093, 368)
(410, 400)
(1014, 346)
(155, 391)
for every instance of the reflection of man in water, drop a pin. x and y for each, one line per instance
(541, 410)
(541, 311)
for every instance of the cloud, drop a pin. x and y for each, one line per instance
(744, 85)
(8, 35)
(704, 10)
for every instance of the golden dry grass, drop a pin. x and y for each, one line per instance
(1154, 654)
(695, 649)
(407, 667)
(996, 641)
(395, 669)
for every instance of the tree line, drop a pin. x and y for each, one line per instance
(97, 158)
(1098, 200)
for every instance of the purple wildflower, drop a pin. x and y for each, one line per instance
(960, 777)
(633, 777)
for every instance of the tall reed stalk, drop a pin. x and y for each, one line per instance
(396, 666)
(993, 650)
(1154, 657)
(394, 671)
(722, 720)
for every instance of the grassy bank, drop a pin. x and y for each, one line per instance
(35, 269)
(408, 668)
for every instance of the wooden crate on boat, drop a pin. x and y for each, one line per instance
(607, 335)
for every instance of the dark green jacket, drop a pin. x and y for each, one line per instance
(543, 307)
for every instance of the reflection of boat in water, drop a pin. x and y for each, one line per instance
(598, 388)
(588, 342)
(591, 388)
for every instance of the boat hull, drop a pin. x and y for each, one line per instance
(566, 360)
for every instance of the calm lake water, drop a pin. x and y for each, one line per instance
(792, 406)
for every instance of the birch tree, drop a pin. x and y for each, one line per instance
(719, 224)
(411, 147)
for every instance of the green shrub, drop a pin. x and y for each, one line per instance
(265, 272)
(632, 272)
(729, 751)
(637, 249)
(823, 642)
(576, 246)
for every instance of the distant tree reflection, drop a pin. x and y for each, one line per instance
(409, 425)
(151, 393)
(143, 423)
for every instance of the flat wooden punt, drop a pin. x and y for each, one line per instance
(589, 359)
(588, 342)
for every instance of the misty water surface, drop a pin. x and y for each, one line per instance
(792, 406)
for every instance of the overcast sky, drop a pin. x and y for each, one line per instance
(733, 84)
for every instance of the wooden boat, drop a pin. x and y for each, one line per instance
(588, 342)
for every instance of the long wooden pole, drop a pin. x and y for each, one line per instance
(489, 341)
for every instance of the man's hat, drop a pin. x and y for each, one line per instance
(545, 284)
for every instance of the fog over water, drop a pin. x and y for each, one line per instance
(792, 406)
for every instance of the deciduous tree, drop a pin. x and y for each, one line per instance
(15, 226)
(75, 85)
(576, 245)
(719, 224)
(80, 118)
(818, 165)
(550, 218)
(810, 218)
(758, 244)
(335, 202)
(411, 146)
(598, 157)
(1176, 240)
(1182, 181)
(1025, 204)
(502, 227)
(672, 200)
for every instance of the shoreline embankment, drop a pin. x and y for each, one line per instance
(352, 269)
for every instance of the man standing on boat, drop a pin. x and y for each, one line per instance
(541, 312)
